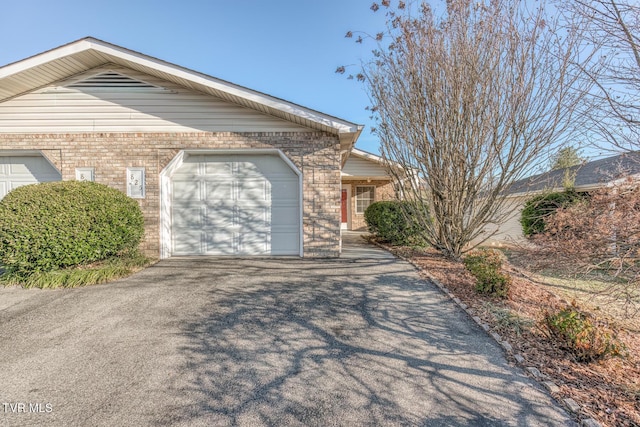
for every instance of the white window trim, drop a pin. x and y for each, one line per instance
(373, 196)
(139, 171)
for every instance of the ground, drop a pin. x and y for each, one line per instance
(299, 342)
(608, 391)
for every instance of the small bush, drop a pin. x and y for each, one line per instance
(537, 209)
(486, 266)
(582, 334)
(54, 225)
(389, 220)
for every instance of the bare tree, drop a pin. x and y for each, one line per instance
(468, 99)
(612, 29)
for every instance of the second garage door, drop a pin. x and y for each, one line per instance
(16, 171)
(235, 205)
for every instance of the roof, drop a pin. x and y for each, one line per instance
(88, 53)
(366, 155)
(364, 165)
(587, 176)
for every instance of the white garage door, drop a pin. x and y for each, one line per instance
(16, 171)
(235, 205)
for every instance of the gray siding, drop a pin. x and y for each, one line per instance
(510, 231)
(360, 167)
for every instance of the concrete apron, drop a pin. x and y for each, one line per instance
(354, 247)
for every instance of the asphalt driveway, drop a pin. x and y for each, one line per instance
(207, 342)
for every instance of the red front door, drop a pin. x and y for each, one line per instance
(343, 204)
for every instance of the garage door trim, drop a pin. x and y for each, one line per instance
(167, 173)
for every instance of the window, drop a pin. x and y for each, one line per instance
(364, 197)
(135, 183)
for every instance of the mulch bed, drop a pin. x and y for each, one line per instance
(607, 391)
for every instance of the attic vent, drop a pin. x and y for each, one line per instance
(111, 81)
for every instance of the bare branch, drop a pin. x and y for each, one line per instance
(612, 32)
(467, 102)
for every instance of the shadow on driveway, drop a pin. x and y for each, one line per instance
(337, 343)
(209, 342)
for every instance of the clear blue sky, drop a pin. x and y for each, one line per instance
(286, 48)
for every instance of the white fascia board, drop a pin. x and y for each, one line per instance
(367, 155)
(43, 58)
(375, 158)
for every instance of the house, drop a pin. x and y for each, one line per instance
(365, 180)
(586, 177)
(217, 168)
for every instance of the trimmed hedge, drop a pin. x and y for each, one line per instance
(540, 207)
(388, 221)
(54, 225)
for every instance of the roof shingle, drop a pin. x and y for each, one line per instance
(587, 175)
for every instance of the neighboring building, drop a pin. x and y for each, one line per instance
(217, 168)
(586, 177)
(364, 180)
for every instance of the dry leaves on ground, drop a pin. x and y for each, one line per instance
(608, 391)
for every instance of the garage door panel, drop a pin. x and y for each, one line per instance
(253, 243)
(218, 190)
(284, 187)
(28, 166)
(284, 243)
(19, 169)
(186, 190)
(190, 166)
(220, 242)
(272, 165)
(254, 218)
(240, 195)
(217, 167)
(186, 241)
(283, 217)
(253, 204)
(246, 170)
(217, 216)
(187, 217)
(254, 190)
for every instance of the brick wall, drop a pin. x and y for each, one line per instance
(383, 191)
(316, 154)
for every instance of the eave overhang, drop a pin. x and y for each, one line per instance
(85, 54)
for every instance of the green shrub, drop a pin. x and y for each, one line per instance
(389, 220)
(486, 266)
(49, 226)
(582, 334)
(540, 207)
